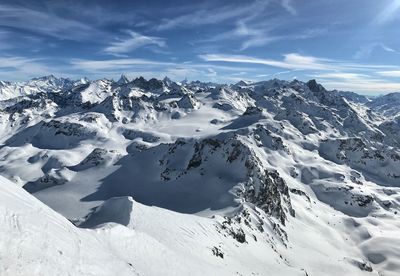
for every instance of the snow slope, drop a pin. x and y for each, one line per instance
(35, 240)
(137, 240)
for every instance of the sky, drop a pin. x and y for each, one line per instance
(349, 45)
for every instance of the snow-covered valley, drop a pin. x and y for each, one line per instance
(154, 177)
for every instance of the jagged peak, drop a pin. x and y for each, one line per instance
(4, 83)
(314, 86)
(123, 80)
(167, 80)
(84, 80)
(140, 79)
(185, 81)
(242, 83)
(51, 76)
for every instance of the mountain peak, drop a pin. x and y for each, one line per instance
(167, 81)
(241, 83)
(123, 80)
(84, 80)
(185, 81)
(315, 86)
(44, 78)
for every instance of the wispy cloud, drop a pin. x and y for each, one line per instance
(255, 37)
(133, 42)
(389, 13)
(257, 34)
(10, 42)
(290, 61)
(367, 50)
(248, 35)
(118, 64)
(367, 85)
(345, 76)
(297, 61)
(44, 23)
(152, 68)
(395, 74)
(258, 38)
(114, 64)
(209, 15)
(275, 75)
(289, 7)
(4, 37)
(22, 67)
(254, 25)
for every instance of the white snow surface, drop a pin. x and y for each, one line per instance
(140, 177)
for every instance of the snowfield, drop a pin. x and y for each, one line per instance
(153, 177)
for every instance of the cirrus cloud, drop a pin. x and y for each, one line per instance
(133, 42)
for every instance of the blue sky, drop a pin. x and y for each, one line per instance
(344, 44)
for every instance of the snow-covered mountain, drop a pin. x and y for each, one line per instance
(154, 177)
(49, 83)
(388, 104)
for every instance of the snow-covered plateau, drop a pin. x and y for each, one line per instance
(154, 177)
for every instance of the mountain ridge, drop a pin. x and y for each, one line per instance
(272, 167)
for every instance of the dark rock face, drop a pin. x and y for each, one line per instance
(315, 87)
(123, 80)
(46, 181)
(132, 134)
(263, 188)
(150, 85)
(265, 138)
(97, 157)
(388, 105)
(65, 128)
(362, 200)
(367, 156)
(301, 193)
(223, 106)
(217, 252)
(272, 196)
(233, 229)
(188, 101)
(33, 104)
(253, 110)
